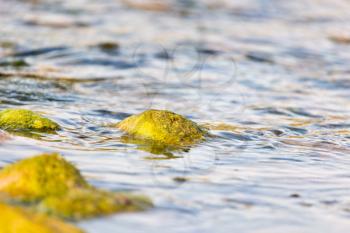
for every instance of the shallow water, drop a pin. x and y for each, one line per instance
(277, 72)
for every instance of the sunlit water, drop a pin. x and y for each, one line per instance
(275, 71)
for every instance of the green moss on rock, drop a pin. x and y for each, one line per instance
(21, 119)
(87, 203)
(16, 220)
(162, 126)
(41, 176)
(51, 185)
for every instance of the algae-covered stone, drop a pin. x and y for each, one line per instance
(22, 119)
(51, 185)
(41, 176)
(87, 203)
(16, 220)
(164, 127)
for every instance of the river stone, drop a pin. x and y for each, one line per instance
(22, 119)
(40, 176)
(162, 126)
(51, 185)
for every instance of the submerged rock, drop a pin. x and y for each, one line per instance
(108, 47)
(221, 126)
(154, 5)
(41, 176)
(16, 220)
(51, 185)
(163, 127)
(21, 119)
(340, 38)
(87, 203)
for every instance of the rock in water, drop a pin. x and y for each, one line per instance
(41, 176)
(51, 185)
(17, 220)
(21, 119)
(163, 127)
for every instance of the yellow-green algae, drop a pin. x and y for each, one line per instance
(87, 203)
(51, 185)
(41, 176)
(163, 127)
(22, 119)
(17, 220)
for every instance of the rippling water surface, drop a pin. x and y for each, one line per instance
(270, 77)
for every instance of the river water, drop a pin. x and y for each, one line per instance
(270, 77)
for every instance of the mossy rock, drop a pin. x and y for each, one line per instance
(163, 127)
(39, 177)
(16, 220)
(87, 203)
(22, 119)
(49, 184)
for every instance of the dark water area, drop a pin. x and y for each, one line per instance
(271, 78)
